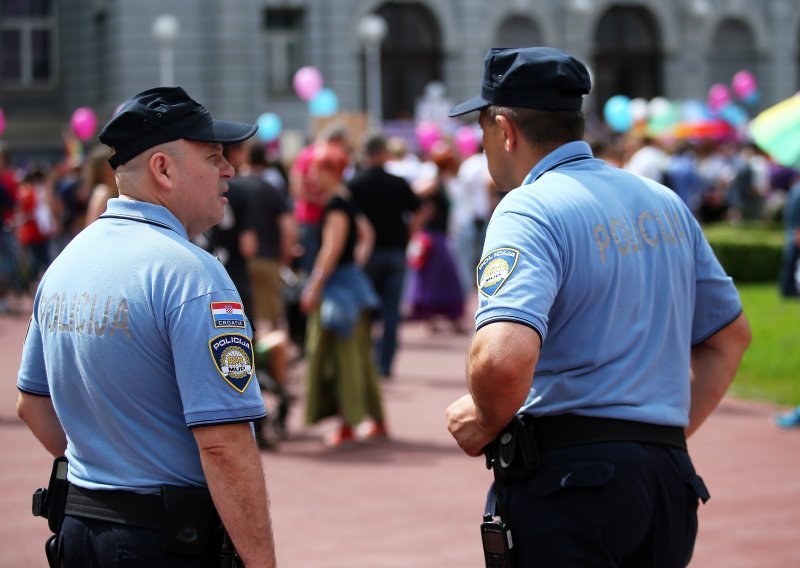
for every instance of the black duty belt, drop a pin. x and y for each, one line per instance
(566, 430)
(123, 507)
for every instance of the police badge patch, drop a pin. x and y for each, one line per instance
(233, 356)
(494, 270)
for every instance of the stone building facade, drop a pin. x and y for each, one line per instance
(238, 56)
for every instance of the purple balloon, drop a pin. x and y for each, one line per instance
(466, 140)
(307, 82)
(84, 123)
(718, 97)
(427, 135)
(744, 84)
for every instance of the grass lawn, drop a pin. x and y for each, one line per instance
(771, 366)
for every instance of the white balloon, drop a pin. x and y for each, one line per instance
(638, 108)
(658, 107)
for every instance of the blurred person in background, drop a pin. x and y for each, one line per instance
(435, 289)
(391, 207)
(341, 377)
(477, 189)
(99, 179)
(35, 222)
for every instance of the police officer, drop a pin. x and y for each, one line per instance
(138, 362)
(604, 320)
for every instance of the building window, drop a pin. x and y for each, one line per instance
(284, 33)
(27, 42)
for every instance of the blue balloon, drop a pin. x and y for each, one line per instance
(734, 115)
(695, 111)
(269, 126)
(324, 103)
(617, 113)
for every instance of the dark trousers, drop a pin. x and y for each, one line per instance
(789, 266)
(386, 269)
(618, 504)
(87, 543)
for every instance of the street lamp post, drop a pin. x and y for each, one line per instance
(372, 31)
(165, 31)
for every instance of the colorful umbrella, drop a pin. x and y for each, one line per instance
(777, 132)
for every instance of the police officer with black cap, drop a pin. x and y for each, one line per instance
(138, 362)
(607, 332)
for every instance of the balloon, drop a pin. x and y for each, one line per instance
(617, 113)
(427, 135)
(658, 108)
(744, 84)
(718, 97)
(324, 103)
(466, 141)
(638, 110)
(307, 82)
(84, 123)
(2, 122)
(269, 126)
(694, 111)
(734, 115)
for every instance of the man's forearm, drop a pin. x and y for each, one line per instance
(40, 416)
(714, 365)
(235, 479)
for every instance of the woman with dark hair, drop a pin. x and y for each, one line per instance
(341, 376)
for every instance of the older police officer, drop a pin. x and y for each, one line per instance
(138, 362)
(604, 320)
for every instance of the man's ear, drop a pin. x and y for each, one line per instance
(162, 169)
(509, 132)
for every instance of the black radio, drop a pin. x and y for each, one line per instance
(498, 547)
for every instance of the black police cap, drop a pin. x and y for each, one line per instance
(164, 114)
(542, 78)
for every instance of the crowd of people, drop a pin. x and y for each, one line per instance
(415, 227)
(322, 259)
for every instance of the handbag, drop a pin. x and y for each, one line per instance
(418, 249)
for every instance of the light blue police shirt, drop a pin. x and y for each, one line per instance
(138, 335)
(615, 275)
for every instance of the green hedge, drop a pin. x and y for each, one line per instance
(748, 252)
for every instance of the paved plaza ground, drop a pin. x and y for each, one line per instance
(416, 500)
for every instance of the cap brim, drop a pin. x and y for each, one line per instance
(223, 132)
(471, 105)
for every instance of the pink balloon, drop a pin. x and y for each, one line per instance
(2, 122)
(466, 141)
(307, 82)
(744, 84)
(718, 97)
(427, 135)
(84, 123)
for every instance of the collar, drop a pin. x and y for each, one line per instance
(569, 152)
(144, 212)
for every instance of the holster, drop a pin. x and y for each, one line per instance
(190, 520)
(514, 452)
(51, 502)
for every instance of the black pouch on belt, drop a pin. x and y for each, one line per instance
(190, 520)
(514, 451)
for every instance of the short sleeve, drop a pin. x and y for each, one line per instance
(32, 377)
(213, 352)
(519, 273)
(717, 301)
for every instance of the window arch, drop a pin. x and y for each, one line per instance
(518, 31)
(734, 50)
(627, 58)
(411, 56)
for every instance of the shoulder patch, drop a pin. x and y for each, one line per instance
(233, 356)
(494, 269)
(227, 314)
